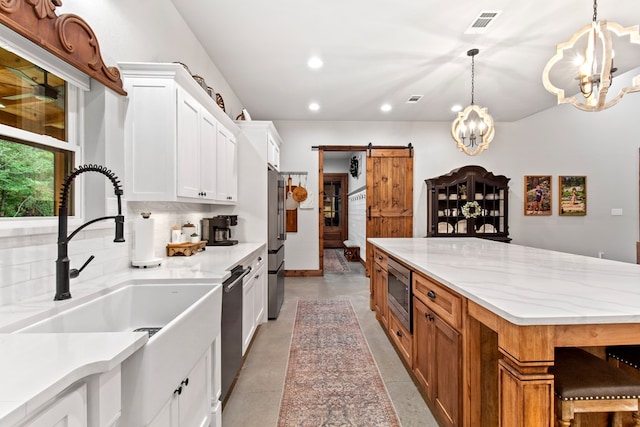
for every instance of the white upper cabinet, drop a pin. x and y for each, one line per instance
(265, 138)
(273, 154)
(180, 146)
(226, 166)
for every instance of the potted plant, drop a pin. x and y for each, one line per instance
(195, 238)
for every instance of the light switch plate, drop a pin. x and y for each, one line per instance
(616, 212)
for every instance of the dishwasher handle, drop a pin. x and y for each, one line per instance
(228, 287)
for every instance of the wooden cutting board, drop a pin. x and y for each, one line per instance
(186, 248)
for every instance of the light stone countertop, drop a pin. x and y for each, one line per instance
(34, 368)
(524, 285)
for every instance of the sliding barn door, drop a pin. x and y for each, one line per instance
(389, 194)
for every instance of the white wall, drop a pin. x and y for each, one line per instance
(558, 141)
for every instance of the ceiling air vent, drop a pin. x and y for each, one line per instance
(413, 99)
(482, 21)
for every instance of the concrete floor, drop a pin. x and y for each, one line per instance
(255, 400)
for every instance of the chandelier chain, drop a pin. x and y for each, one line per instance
(595, 10)
(472, 77)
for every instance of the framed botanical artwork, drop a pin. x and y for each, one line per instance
(537, 195)
(572, 195)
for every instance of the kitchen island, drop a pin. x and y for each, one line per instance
(516, 305)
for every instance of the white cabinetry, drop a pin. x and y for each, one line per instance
(190, 403)
(70, 410)
(253, 301)
(196, 145)
(93, 401)
(226, 166)
(273, 153)
(257, 140)
(179, 145)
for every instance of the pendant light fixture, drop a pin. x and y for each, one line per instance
(473, 128)
(594, 65)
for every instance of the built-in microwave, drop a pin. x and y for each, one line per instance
(399, 293)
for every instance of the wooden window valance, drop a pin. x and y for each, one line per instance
(67, 36)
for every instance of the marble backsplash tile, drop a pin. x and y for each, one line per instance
(27, 263)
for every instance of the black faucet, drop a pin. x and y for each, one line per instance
(62, 263)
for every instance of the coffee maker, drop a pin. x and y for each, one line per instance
(217, 230)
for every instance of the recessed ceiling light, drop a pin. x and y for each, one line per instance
(314, 106)
(385, 107)
(456, 108)
(315, 63)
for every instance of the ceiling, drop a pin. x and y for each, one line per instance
(382, 51)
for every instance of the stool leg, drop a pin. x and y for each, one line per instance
(563, 423)
(616, 419)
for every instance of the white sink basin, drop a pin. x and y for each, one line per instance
(189, 317)
(126, 309)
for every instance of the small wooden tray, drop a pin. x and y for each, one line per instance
(186, 248)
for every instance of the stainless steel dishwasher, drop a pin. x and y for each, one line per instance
(231, 328)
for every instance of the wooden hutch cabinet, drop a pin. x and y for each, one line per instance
(468, 202)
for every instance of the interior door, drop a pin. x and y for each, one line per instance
(389, 194)
(335, 209)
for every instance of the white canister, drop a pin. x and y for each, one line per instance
(175, 234)
(188, 229)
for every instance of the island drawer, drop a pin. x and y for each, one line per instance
(446, 304)
(401, 337)
(380, 258)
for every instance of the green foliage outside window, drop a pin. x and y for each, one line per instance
(26, 180)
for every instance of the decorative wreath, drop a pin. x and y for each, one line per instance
(471, 210)
(354, 167)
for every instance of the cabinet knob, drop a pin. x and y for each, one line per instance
(429, 317)
(185, 382)
(399, 333)
(178, 391)
(204, 194)
(431, 294)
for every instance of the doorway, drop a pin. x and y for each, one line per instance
(386, 183)
(334, 184)
(335, 208)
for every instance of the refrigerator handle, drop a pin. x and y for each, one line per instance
(282, 217)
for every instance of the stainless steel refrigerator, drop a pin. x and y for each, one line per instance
(277, 235)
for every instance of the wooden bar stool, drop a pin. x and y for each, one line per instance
(586, 383)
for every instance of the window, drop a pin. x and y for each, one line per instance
(35, 152)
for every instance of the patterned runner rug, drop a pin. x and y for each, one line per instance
(335, 262)
(332, 379)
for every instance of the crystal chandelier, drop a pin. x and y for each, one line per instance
(473, 128)
(595, 67)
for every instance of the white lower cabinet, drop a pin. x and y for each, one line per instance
(190, 403)
(254, 301)
(70, 410)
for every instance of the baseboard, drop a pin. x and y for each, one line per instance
(303, 273)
